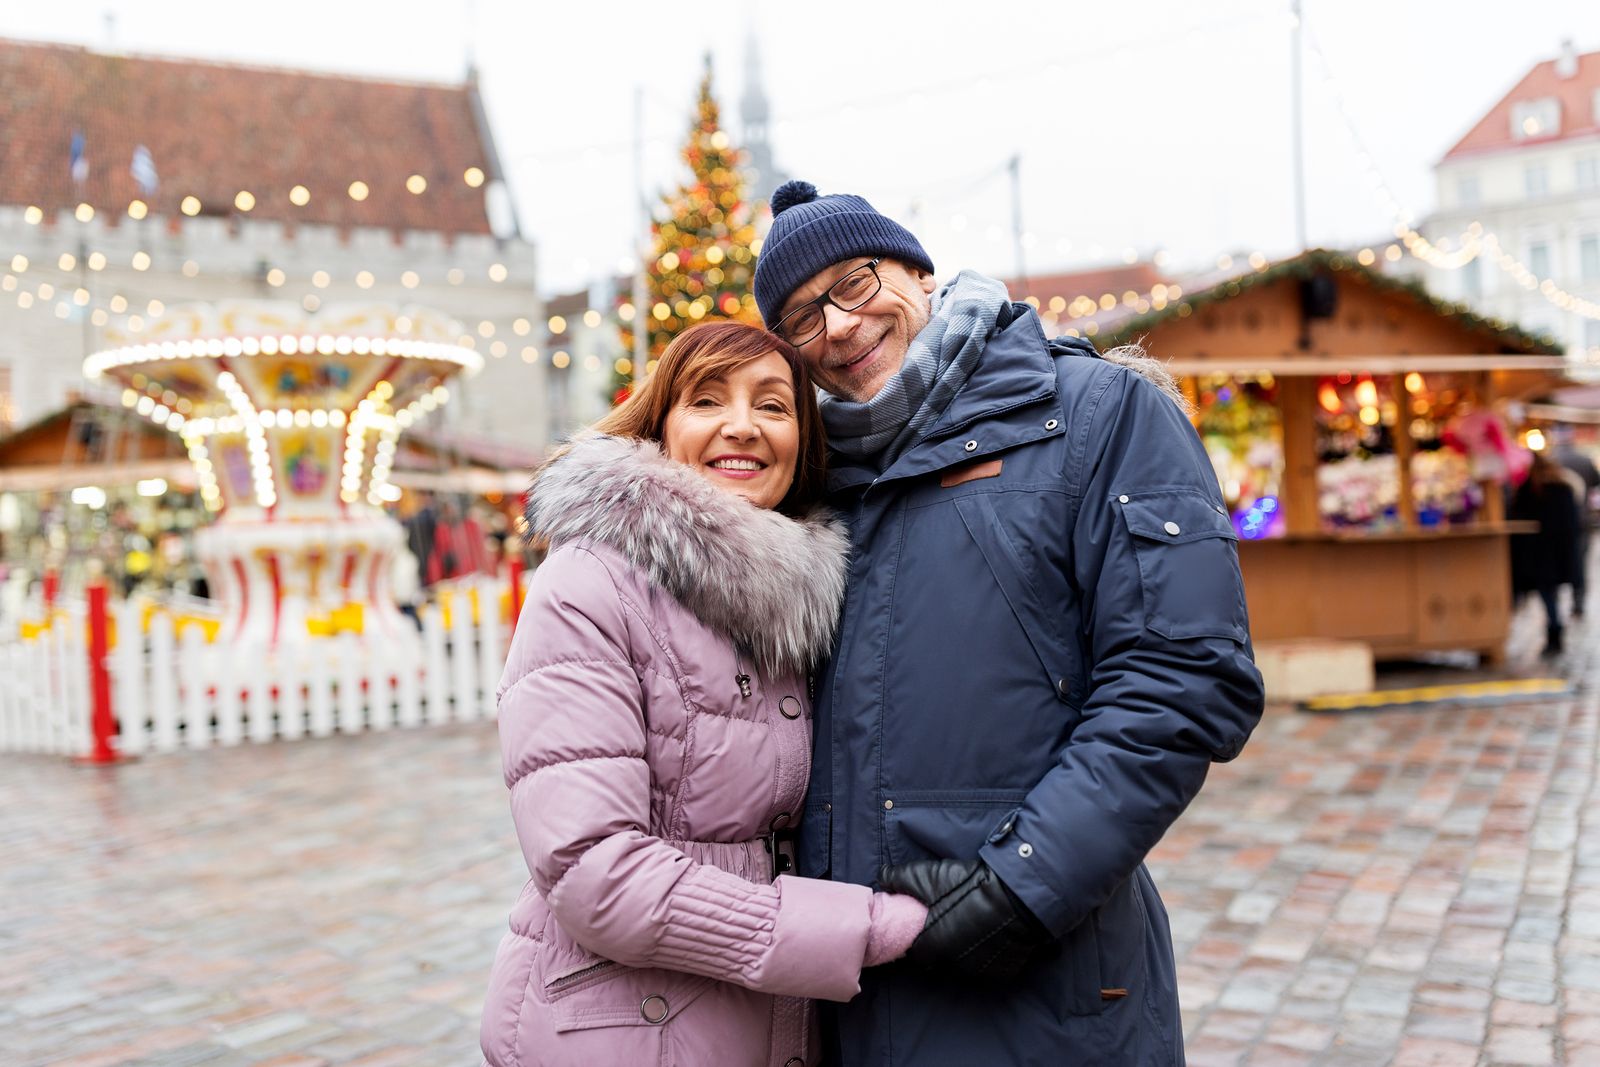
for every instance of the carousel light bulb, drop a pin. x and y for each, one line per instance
(358, 191)
(497, 272)
(416, 184)
(33, 215)
(190, 206)
(473, 176)
(141, 260)
(410, 279)
(84, 213)
(299, 196)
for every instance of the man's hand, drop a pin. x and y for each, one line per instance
(977, 928)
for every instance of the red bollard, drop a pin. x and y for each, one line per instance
(49, 586)
(101, 722)
(516, 589)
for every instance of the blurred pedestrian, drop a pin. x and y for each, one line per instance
(1044, 648)
(458, 545)
(654, 725)
(1578, 463)
(1544, 561)
(419, 526)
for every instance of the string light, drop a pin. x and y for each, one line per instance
(1473, 242)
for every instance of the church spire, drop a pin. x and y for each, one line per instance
(754, 116)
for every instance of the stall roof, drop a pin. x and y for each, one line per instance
(1127, 327)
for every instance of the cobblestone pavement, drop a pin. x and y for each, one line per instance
(1409, 887)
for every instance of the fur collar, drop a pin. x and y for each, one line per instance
(772, 584)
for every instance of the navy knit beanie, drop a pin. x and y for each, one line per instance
(811, 233)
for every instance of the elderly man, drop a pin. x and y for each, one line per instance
(1044, 647)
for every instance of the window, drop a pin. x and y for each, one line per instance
(1472, 281)
(1539, 258)
(1587, 172)
(1535, 118)
(1467, 192)
(1536, 180)
(1589, 257)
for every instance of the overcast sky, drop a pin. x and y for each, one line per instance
(1140, 126)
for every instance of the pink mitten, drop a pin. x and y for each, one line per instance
(896, 921)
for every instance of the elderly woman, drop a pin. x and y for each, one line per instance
(655, 729)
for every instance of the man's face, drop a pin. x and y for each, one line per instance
(858, 351)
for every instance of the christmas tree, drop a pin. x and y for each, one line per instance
(703, 240)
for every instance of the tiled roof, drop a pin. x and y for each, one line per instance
(214, 129)
(1576, 95)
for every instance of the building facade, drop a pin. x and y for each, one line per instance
(132, 185)
(1528, 173)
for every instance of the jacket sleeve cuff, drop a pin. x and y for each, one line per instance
(819, 940)
(1028, 883)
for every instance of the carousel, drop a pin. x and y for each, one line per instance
(291, 421)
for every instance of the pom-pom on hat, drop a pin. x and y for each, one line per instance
(810, 233)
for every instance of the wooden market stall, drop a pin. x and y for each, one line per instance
(1326, 393)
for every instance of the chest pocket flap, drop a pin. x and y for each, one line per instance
(1188, 564)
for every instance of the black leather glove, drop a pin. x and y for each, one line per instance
(976, 927)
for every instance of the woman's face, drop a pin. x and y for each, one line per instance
(740, 431)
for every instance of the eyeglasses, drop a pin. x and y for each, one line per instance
(804, 323)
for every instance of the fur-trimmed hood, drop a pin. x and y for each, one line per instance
(772, 584)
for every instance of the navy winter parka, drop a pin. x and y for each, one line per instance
(1044, 647)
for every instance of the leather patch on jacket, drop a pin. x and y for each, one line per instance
(970, 472)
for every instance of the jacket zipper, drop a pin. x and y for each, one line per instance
(567, 981)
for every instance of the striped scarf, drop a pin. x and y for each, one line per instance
(937, 364)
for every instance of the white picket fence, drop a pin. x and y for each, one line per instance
(180, 692)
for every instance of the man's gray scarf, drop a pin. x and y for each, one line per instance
(937, 365)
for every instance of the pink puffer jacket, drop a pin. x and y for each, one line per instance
(655, 726)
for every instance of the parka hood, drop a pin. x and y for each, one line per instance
(771, 583)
